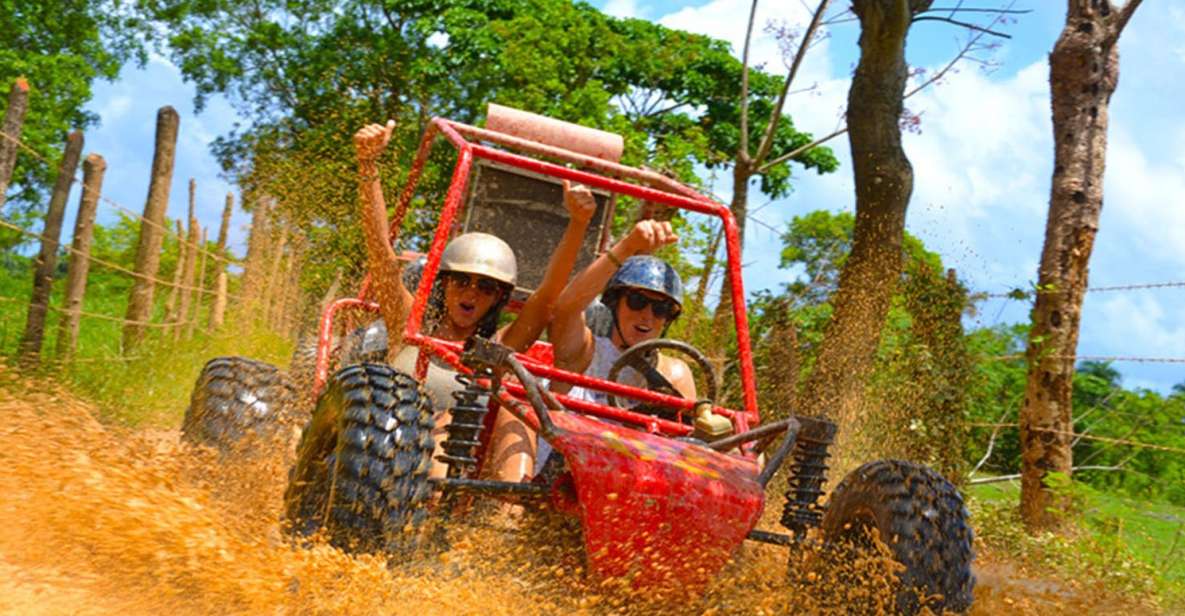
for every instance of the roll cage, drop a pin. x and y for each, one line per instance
(473, 143)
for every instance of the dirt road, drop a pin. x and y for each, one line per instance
(99, 520)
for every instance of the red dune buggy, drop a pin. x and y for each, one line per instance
(666, 490)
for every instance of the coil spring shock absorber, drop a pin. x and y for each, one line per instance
(468, 418)
(808, 474)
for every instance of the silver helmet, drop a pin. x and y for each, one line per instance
(481, 254)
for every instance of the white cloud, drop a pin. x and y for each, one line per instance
(1132, 325)
(622, 8)
(727, 20)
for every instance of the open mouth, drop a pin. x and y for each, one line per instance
(642, 329)
(468, 308)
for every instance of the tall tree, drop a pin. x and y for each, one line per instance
(884, 182)
(1083, 73)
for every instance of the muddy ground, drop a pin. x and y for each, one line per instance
(101, 520)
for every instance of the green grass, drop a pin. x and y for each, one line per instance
(150, 388)
(1130, 545)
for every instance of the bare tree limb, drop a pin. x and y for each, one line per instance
(1125, 14)
(969, 26)
(799, 150)
(966, 49)
(775, 117)
(743, 148)
(991, 443)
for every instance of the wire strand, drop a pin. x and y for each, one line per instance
(129, 212)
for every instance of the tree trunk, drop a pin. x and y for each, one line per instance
(1083, 73)
(14, 119)
(93, 169)
(47, 259)
(884, 181)
(148, 250)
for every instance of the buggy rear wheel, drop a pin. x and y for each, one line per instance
(363, 461)
(235, 398)
(920, 516)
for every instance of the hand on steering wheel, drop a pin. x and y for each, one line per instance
(640, 357)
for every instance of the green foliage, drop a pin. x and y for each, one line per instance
(918, 392)
(1131, 548)
(150, 389)
(307, 75)
(61, 48)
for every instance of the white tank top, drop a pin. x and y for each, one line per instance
(604, 354)
(440, 382)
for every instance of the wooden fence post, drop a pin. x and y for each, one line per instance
(47, 259)
(220, 268)
(289, 302)
(191, 247)
(148, 251)
(218, 311)
(273, 279)
(93, 169)
(200, 283)
(14, 119)
(257, 247)
(178, 267)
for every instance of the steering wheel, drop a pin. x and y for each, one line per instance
(642, 357)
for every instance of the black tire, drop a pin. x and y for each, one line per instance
(364, 458)
(236, 397)
(920, 516)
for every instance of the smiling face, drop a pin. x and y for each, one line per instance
(639, 325)
(467, 298)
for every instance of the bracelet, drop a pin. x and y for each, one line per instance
(366, 179)
(613, 257)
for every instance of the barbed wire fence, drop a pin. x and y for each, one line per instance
(198, 295)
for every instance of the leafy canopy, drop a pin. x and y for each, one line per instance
(61, 48)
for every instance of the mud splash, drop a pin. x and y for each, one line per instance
(100, 520)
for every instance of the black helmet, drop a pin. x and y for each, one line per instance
(644, 272)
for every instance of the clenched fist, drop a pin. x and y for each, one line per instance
(371, 140)
(649, 235)
(579, 201)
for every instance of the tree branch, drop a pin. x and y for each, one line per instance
(743, 148)
(969, 26)
(775, 117)
(991, 443)
(1120, 22)
(799, 150)
(937, 76)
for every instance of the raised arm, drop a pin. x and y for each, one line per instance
(539, 307)
(386, 281)
(568, 332)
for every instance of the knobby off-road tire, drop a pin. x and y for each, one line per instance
(235, 398)
(363, 460)
(920, 516)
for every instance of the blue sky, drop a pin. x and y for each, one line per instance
(982, 161)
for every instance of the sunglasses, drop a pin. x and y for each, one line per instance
(662, 308)
(462, 281)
